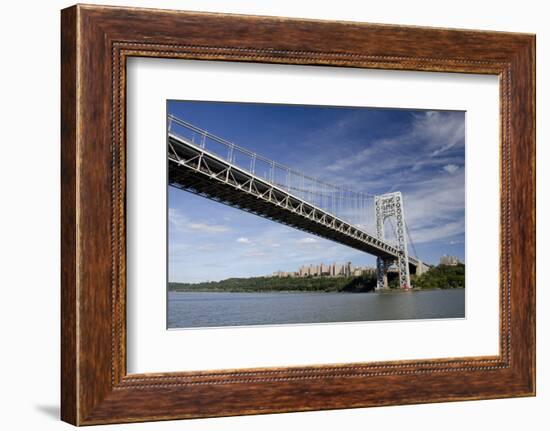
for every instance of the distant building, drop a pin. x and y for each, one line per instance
(283, 274)
(362, 270)
(327, 270)
(347, 269)
(449, 260)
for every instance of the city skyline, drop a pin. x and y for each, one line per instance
(333, 269)
(420, 152)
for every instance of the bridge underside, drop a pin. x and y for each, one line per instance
(204, 174)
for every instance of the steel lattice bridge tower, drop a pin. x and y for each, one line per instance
(386, 206)
(207, 165)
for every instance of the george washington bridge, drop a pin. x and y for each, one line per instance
(209, 166)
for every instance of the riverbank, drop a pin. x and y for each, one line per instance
(364, 283)
(388, 291)
(437, 278)
(416, 289)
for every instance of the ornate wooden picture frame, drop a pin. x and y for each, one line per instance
(96, 41)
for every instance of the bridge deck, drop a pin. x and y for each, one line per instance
(196, 170)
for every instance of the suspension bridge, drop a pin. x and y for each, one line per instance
(207, 165)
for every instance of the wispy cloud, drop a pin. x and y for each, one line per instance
(183, 224)
(308, 240)
(209, 228)
(438, 232)
(255, 254)
(450, 168)
(427, 142)
(408, 161)
(206, 247)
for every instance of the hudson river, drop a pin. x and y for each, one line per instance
(211, 309)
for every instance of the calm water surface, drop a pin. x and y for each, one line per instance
(208, 309)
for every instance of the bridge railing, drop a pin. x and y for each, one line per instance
(342, 202)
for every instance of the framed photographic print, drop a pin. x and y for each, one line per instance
(265, 214)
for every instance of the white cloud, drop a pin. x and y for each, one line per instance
(426, 143)
(208, 228)
(255, 253)
(307, 240)
(441, 231)
(451, 169)
(243, 240)
(183, 224)
(207, 247)
(408, 162)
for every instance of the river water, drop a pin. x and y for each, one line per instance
(211, 309)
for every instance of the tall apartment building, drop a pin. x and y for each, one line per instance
(330, 270)
(449, 260)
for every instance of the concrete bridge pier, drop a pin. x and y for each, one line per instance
(421, 269)
(403, 269)
(382, 266)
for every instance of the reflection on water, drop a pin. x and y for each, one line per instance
(209, 309)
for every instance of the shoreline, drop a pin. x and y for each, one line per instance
(382, 291)
(437, 278)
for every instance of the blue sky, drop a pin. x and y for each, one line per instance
(417, 152)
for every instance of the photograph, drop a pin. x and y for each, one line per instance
(284, 214)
